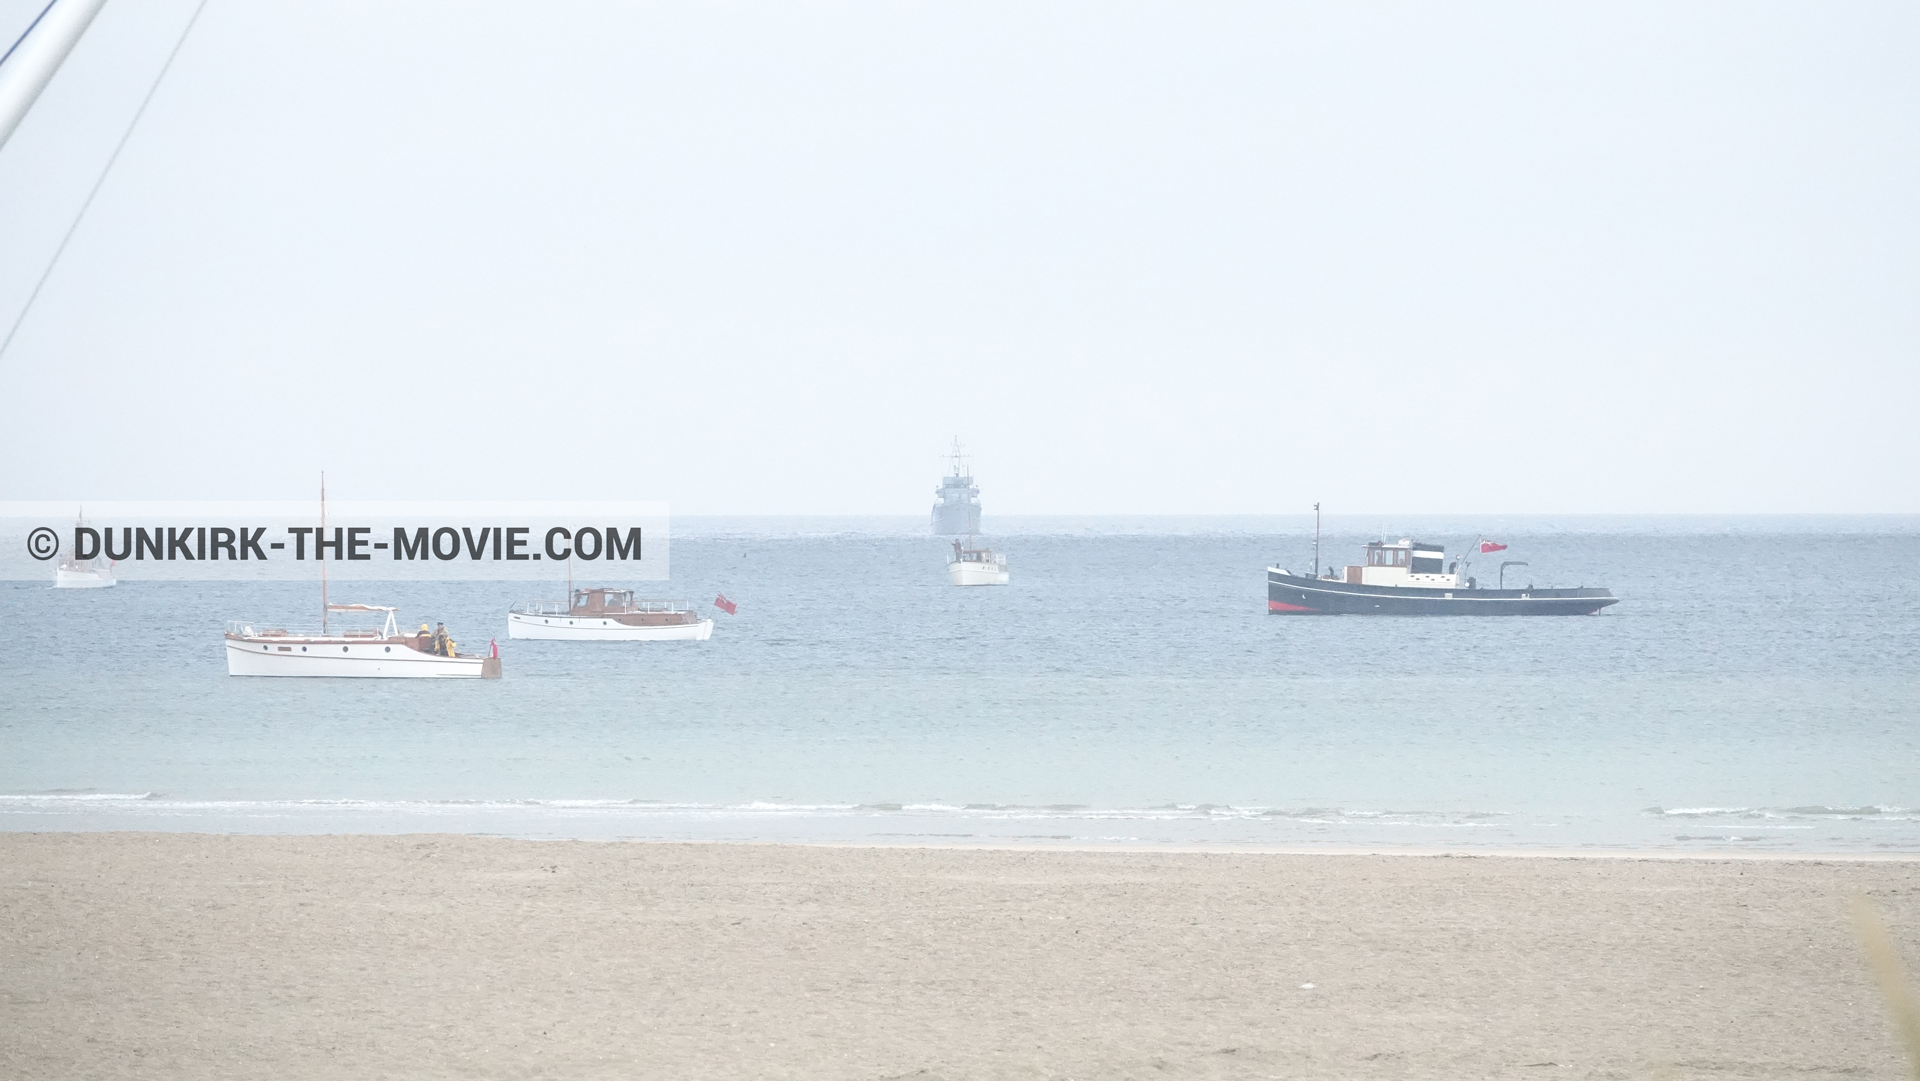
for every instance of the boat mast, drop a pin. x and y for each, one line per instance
(322, 553)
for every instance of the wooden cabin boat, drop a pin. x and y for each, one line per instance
(608, 615)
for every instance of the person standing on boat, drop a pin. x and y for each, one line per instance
(442, 647)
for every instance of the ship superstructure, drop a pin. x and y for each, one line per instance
(956, 508)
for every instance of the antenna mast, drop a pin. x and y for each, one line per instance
(322, 553)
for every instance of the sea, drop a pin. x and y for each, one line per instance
(1756, 690)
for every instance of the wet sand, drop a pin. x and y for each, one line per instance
(195, 956)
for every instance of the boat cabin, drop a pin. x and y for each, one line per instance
(600, 602)
(1408, 563)
(618, 605)
(964, 554)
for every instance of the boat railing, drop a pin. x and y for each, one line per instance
(245, 629)
(662, 606)
(542, 608)
(561, 608)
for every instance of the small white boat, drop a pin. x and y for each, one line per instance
(608, 615)
(381, 652)
(74, 573)
(972, 566)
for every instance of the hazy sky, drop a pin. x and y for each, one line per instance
(1143, 258)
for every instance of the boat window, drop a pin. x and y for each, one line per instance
(1381, 556)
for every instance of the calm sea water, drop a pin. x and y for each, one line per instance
(1758, 688)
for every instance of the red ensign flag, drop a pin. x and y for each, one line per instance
(721, 602)
(1487, 546)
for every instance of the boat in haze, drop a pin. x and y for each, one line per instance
(370, 651)
(373, 651)
(95, 573)
(972, 566)
(956, 508)
(608, 615)
(75, 573)
(1414, 579)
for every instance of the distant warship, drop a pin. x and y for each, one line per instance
(956, 513)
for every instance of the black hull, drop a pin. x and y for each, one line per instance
(1295, 595)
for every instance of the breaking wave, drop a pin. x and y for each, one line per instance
(1811, 812)
(147, 802)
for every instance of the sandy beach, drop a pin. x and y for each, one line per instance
(172, 955)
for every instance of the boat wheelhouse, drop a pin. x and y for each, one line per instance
(1412, 578)
(608, 615)
(972, 566)
(376, 650)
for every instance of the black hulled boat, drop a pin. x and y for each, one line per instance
(1413, 579)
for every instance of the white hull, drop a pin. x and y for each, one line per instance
(602, 629)
(366, 657)
(93, 579)
(969, 573)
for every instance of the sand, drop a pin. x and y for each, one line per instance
(190, 956)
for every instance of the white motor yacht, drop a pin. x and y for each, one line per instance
(972, 566)
(608, 615)
(74, 573)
